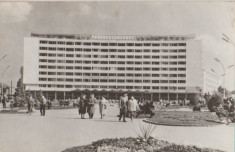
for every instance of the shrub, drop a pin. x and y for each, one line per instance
(146, 130)
(194, 99)
(197, 108)
(216, 99)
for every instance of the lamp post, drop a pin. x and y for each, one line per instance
(2, 77)
(3, 57)
(228, 40)
(224, 71)
(207, 75)
(216, 74)
(217, 60)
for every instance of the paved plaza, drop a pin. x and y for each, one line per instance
(61, 129)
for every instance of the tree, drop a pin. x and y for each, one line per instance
(5, 88)
(221, 90)
(216, 99)
(194, 99)
(19, 91)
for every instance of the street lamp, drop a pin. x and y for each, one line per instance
(216, 74)
(224, 72)
(2, 77)
(217, 60)
(227, 39)
(230, 66)
(3, 57)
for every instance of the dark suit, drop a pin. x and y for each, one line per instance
(83, 106)
(123, 107)
(4, 102)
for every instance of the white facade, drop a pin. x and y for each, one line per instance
(157, 64)
(211, 82)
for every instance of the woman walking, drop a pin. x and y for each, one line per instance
(103, 107)
(91, 106)
(132, 106)
(83, 106)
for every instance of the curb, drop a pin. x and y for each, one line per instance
(180, 125)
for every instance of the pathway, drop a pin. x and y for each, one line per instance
(61, 129)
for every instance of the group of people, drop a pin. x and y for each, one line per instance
(88, 106)
(226, 109)
(31, 101)
(131, 107)
(128, 107)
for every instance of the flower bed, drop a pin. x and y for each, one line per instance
(184, 118)
(136, 145)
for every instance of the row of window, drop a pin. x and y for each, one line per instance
(113, 74)
(114, 56)
(111, 50)
(112, 68)
(111, 62)
(114, 87)
(110, 44)
(111, 80)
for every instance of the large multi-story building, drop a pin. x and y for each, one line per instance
(65, 66)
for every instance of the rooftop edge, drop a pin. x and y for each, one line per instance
(116, 37)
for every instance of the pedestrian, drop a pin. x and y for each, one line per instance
(231, 110)
(43, 102)
(83, 106)
(48, 104)
(149, 108)
(11, 103)
(132, 107)
(103, 107)
(123, 107)
(30, 101)
(4, 101)
(91, 106)
(78, 102)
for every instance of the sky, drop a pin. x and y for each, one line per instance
(207, 20)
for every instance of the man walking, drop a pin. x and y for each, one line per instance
(43, 105)
(4, 101)
(123, 106)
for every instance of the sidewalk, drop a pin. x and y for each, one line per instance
(61, 129)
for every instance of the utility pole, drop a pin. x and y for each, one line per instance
(4, 56)
(224, 73)
(3, 75)
(11, 89)
(228, 40)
